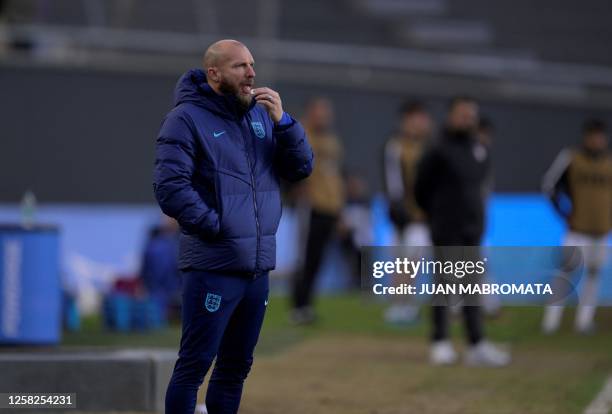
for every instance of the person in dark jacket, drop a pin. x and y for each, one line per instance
(220, 155)
(450, 186)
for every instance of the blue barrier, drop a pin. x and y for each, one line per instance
(30, 288)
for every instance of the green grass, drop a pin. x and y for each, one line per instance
(353, 315)
(350, 361)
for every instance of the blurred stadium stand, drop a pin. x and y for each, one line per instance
(551, 30)
(540, 69)
(514, 44)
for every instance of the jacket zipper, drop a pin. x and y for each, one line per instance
(246, 152)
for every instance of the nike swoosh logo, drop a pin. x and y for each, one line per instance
(218, 134)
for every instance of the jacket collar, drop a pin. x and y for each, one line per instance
(193, 88)
(227, 104)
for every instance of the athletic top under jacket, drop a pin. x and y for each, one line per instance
(585, 180)
(217, 171)
(400, 164)
(325, 187)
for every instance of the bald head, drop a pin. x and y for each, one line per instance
(218, 52)
(230, 69)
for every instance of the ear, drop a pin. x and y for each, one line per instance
(212, 74)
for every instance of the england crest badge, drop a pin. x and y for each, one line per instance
(259, 130)
(212, 302)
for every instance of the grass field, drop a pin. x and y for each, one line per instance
(350, 362)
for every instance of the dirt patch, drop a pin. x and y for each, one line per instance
(360, 375)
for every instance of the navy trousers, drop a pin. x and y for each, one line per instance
(222, 316)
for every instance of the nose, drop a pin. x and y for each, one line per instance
(250, 72)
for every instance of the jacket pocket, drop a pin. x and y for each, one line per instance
(219, 205)
(236, 207)
(270, 211)
(279, 206)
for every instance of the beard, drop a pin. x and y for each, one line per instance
(243, 101)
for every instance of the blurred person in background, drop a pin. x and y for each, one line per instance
(449, 187)
(402, 153)
(323, 200)
(220, 155)
(159, 273)
(485, 132)
(356, 223)
(579, 185)
(485, 135)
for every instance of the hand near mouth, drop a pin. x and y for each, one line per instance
(271, 100)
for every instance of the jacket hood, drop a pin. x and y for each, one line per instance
(193, 88)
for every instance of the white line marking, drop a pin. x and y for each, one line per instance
(603, 401)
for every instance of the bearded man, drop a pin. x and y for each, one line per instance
(220, 155)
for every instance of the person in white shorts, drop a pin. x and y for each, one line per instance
(579, 184)
(402, 153)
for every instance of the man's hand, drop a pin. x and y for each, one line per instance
(271, 100)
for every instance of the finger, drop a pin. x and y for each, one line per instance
(265, 90)
(261, 90)
(271, 108)
(265, 97)
(266, 104)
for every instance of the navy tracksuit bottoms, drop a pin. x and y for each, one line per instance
(222, 316)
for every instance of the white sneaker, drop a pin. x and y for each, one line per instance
(302, 316)
(586, 330)
(485, 354)
(552, 319)
(401, 314)
(442, 353)
(200, 409)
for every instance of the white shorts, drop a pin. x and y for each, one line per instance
(593, 248)
(416, 239)
(416, 234)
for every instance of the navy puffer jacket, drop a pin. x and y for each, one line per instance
(217, 172)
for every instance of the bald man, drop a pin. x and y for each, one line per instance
(220, 155)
